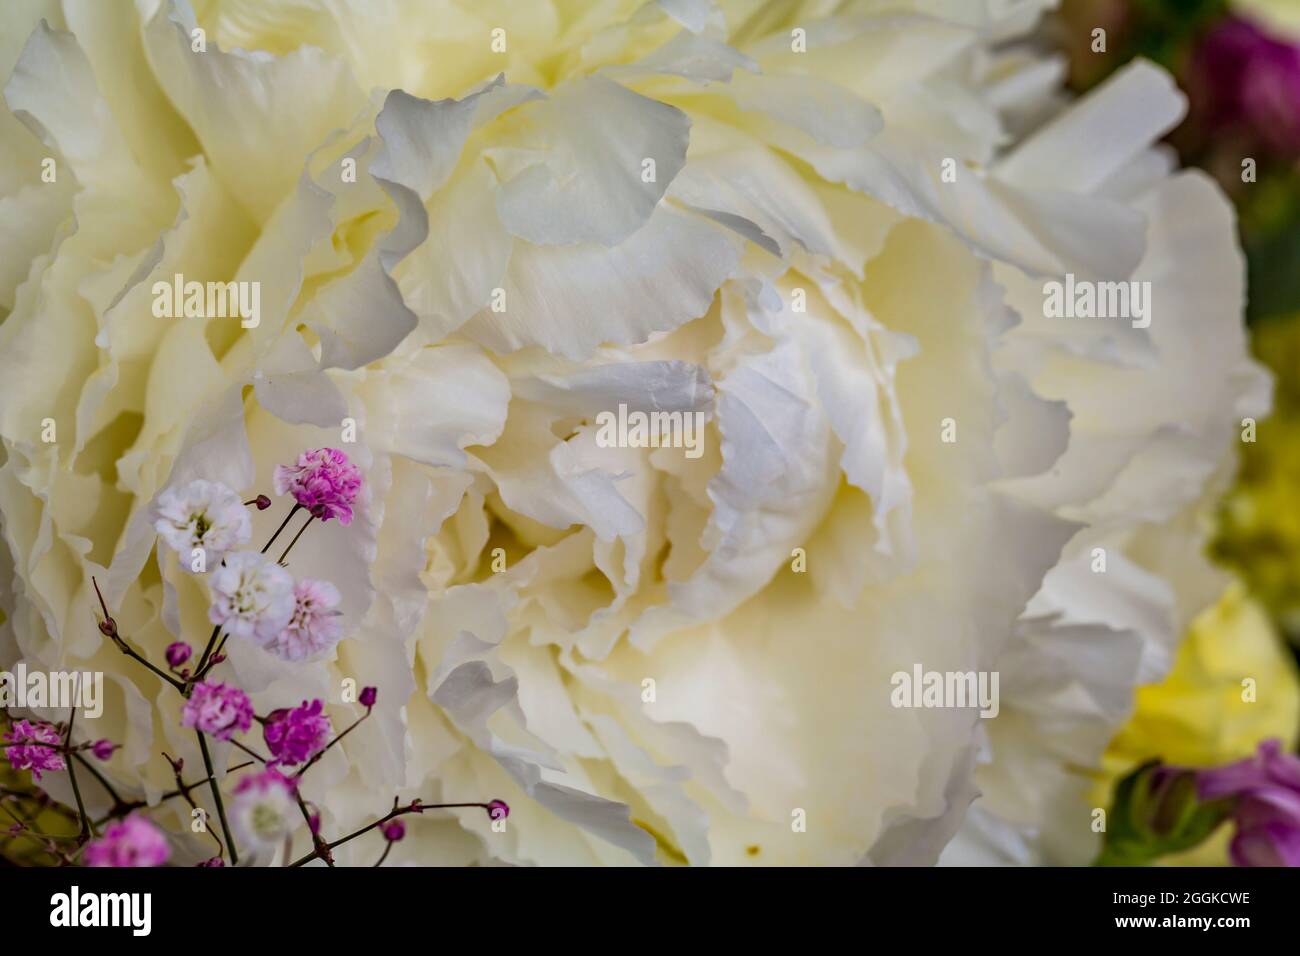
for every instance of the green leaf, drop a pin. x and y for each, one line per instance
(1155, 811)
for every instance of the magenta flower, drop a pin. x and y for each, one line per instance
(295, 736)
(1243, 80)
(393, 830)
(323, 481)
(498, 809)
(130, 842)
(218, 710)
(1267, 811)
(368, 697)
(316, 624)
(28, 751)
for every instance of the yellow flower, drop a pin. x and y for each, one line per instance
(1259, 528)
(1232, 686)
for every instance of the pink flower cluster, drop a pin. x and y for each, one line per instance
(315, 626)
(295, 736)
(28, 750)
(219, 710)
(133, 841)
(323, 481)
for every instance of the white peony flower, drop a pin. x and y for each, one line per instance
(252, 597)
(822, 244)
(202, 515)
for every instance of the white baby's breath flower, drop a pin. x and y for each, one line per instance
(204, 515)
(263, 810)
(252, 597)
(826, 238)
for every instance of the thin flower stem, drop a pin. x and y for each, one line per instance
(108, 627)
(322, 850)
(283, 524)
(183, 790)
(221, 847)
(103, 781)
(216, 796)
(201, 669)
(395, 812)
(351, 727)
(304, 527)
(86, 829)
(388, 848)
(248, 750)
(27, 828)
(126, 649)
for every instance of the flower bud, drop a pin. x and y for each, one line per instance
(177, 654)
(103, 749)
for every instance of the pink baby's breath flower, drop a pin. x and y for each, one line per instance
(295, 736)
(323, 481)
(219, 710)
(28, 751)
(130, 842)
(316, 624)
(34, 732)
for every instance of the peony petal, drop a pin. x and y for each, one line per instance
(588, 183)
(570, 300)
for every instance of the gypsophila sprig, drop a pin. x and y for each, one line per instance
(252, 598)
